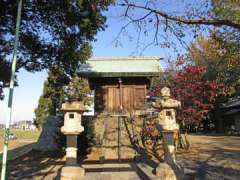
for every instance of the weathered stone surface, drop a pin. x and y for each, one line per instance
(72, 173)
(169, 148)
(71, 128)
(165, 172)
(167, 114)
(112, 142)
(71, 150)
(75, 106)
(72, 123)
(167, 123)
(47, 141)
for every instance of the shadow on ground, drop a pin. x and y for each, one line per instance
(214, 157)
(19, 151)
(34, 165)
(40, 166)
(211, 157)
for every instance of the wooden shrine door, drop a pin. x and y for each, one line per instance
(129, 96)
(115, 138)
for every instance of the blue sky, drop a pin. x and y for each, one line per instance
(31, 84)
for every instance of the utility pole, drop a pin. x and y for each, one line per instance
(10, 96)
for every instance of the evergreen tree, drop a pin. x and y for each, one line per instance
(42, 110)
(54, 91)
(53, 95)
(78, 89)
(57, 88)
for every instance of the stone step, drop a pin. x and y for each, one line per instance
(113, 176)
(110, 171)
(118, 171)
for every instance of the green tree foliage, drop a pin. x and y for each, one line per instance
(4, 76)
(42, 110)
(57, 88)
(230, 39)
(220, 56)
(78, 89)
(51, 33)
(53, 95)
(227, 9)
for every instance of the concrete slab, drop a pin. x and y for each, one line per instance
(110, 171)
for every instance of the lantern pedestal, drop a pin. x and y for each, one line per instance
(169, 169)
(72, 128)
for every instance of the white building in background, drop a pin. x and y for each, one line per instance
(24, 125)
(90, 108)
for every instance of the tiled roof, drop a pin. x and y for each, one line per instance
(233, 102)
(121, 66)
(232, 106)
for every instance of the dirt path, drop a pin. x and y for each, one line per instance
(212, 157)
(13, 144)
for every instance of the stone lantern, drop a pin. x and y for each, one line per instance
(167, 125)
(72, 128)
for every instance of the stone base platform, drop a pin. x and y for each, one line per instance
(108, 171)
(72, 173)
(111, 171)
(114, 170)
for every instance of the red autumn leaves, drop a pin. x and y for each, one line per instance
(189, 85)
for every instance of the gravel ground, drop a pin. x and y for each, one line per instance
(211, 157)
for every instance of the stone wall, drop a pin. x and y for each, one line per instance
(113, 138)
(118, 137)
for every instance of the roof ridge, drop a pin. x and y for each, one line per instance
(103, 58)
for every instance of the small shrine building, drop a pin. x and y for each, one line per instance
(120, 84)
(120, 87)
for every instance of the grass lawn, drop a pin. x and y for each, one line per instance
(21, 145)
(23, 135)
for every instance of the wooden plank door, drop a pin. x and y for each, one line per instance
(128, 98)
(113, 99)
(140, 98)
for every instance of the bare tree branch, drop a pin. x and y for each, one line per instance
(202, 21)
